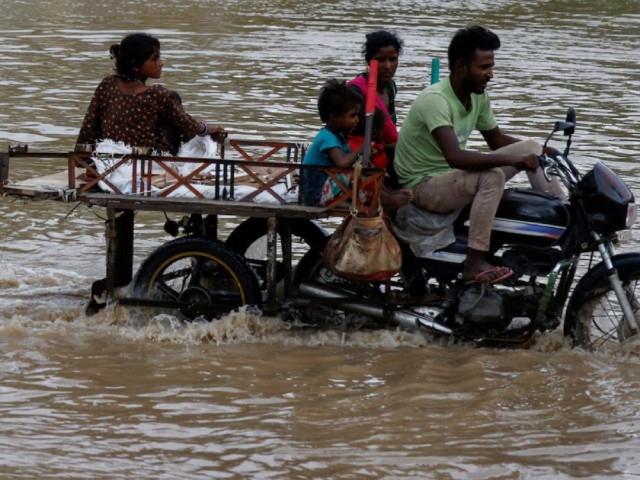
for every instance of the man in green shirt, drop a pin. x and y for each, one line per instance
(431, 155)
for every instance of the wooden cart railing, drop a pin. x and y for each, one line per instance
(256, 169)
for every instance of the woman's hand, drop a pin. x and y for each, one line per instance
(218, 133)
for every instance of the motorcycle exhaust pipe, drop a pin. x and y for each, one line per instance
(352, 303)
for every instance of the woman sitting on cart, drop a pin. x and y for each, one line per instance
(124, 108)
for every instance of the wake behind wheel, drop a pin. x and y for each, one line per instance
(197, 276)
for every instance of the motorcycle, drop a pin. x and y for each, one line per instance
(540, 238)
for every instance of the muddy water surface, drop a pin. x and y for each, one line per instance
(122, 395)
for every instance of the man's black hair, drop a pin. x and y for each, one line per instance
(337, 99)
(467, 41)
(380, 39)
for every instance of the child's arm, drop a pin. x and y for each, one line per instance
(344, 160)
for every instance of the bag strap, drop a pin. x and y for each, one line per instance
(357, 170)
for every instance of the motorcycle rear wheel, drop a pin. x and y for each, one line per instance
(249, 239)
(594, 319)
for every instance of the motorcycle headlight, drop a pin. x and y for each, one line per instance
(632, 214)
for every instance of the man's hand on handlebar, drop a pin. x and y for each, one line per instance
(527, 161)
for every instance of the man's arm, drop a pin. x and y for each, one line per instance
(476, 161)
(496, 139)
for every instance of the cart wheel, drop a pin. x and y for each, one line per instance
(249, 239)
(200, 277)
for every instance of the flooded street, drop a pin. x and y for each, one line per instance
(125, 395)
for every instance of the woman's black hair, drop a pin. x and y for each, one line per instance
(466, 41)
(132, 52)
(380, 39)
(337, 99)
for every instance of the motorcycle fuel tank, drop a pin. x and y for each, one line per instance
(534, 218)
(528, 217)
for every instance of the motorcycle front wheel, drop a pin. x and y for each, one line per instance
(594, 319)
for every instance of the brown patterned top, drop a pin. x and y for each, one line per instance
(135, 119)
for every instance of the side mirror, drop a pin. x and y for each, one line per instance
(571, 118)
(568, 127)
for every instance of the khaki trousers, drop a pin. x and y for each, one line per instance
(483, 190)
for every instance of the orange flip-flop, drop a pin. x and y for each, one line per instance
(479, 277)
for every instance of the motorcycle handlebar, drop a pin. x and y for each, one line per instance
(543, 161)
(555, 164)
(522, 166)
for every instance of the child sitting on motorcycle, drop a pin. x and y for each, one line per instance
(338, 107)
(390, 199)
(378, 156)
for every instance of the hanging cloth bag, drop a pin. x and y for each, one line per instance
(363, 248)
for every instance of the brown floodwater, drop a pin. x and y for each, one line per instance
(124, 394)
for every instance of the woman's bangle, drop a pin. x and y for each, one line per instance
(205, 129)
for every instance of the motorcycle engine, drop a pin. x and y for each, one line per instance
(488, 307)
(481, 306)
